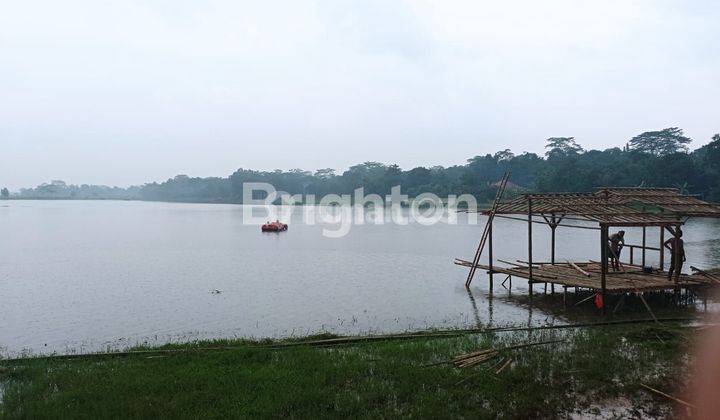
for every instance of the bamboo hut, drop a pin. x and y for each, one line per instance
(665, 209)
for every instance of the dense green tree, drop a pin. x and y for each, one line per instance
(325, 173)
(4, 193)
(709, 161)
(660, 143)
(504, 155)
(562, 147)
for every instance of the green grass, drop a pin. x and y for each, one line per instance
(370, 380)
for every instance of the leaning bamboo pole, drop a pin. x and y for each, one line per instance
(668, 396)
(486, 231)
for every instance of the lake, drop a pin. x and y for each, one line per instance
(80, 276)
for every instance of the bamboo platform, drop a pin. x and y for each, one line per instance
(588, 275)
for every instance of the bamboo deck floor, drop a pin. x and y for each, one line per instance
(629, 279)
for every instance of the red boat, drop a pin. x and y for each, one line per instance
(275, 226)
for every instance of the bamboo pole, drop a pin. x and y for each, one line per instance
(643, 245)
(552, 241)
(586, 299)
(530, 259)
(521, 263)
(668, 396)
(676, 251)
(502, 216)
(476, 357)
(340, 340)
(505, 365)
(553, 226)
(483, 238)
(705, 273)
(604, 264)
(573, 265)
(662, 248)
(490, 252)
(642, 298)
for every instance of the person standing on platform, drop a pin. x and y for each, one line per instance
(677, 255)
(616, 241)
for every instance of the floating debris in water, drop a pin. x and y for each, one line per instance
(216, 291)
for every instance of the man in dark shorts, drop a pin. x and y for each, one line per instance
(677, 255)
(616, 241)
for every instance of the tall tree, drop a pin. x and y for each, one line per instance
(713, 151)
(562, 146)
(660, 143)
(325, 173)
(504, 155)
(710, 163)
(4, 193)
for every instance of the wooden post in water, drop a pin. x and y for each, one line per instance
(643, 250)
(490, 253)
(604, 259)
(662, 248)
(553, 226)
(530, 258)
(676, 235)
(483, 238)
(552, 241)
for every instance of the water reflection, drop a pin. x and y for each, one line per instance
(473, 304)
(580, 306)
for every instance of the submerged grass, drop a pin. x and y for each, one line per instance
(366, 380)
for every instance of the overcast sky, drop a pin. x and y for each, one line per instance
(127, 92)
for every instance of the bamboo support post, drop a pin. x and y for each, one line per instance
(643, 245)
(676, 251)
(662, 248)
(619, 304)
(552, 243)
(642, 298)
(530, 259)
(553, 226)
(483, 238)
(490, 252)
(604, 264)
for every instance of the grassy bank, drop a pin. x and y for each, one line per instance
(593, 370)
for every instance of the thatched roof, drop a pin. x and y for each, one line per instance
(615, 206)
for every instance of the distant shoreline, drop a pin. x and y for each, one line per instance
(481, 206)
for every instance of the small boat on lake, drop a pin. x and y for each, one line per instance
(275, 226)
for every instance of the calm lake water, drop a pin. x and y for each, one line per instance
(88, 275)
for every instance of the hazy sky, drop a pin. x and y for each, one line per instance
(124, 92)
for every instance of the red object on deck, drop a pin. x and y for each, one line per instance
(599, 303)
(274, 227)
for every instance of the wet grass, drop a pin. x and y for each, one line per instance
(368, 380)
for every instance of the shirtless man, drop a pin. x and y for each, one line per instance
(677, 255)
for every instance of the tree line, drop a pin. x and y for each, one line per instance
(652, 159)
